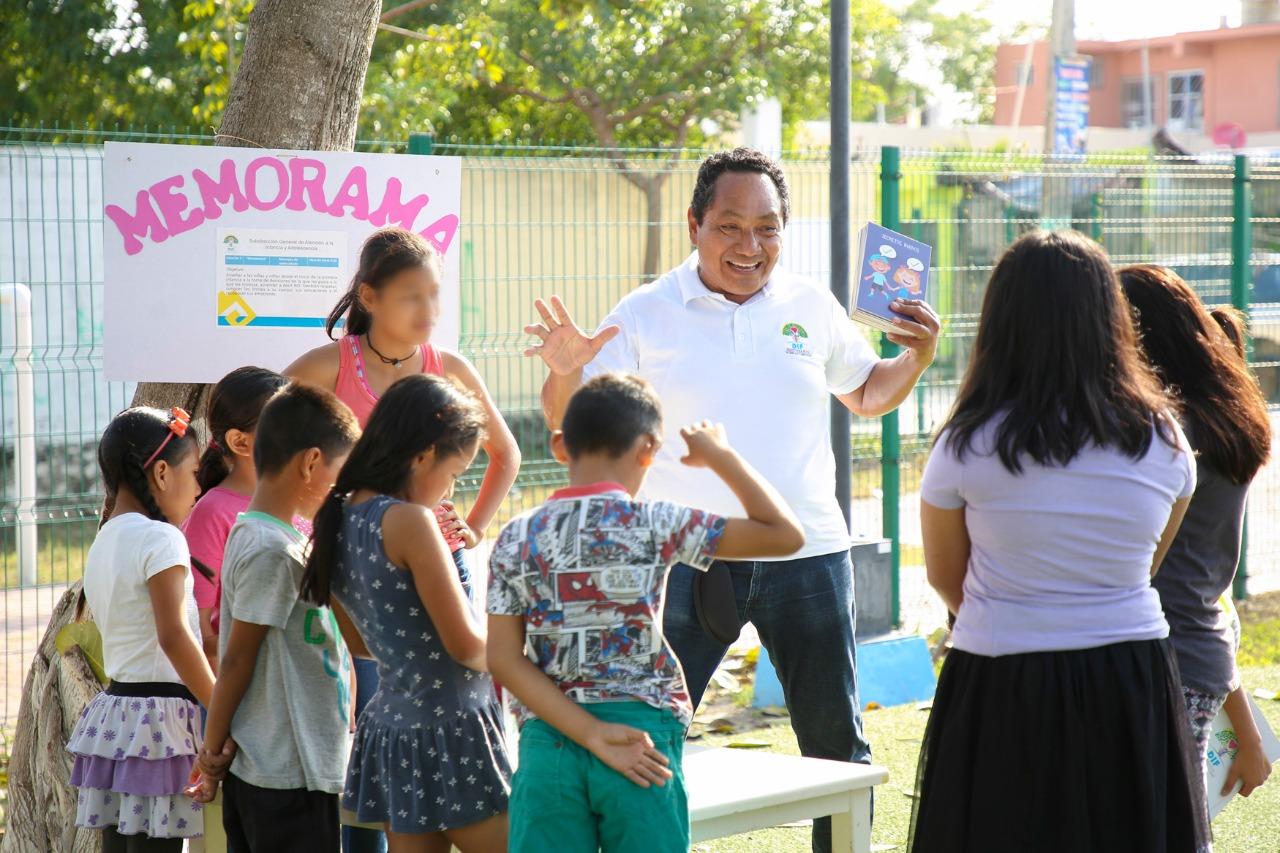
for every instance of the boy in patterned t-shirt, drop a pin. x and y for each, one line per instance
(578, 583)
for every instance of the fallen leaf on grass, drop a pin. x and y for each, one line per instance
(727, 680)
(722, 726)
(775, 711)
(748, 744)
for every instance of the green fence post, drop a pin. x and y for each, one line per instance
(1095, 217)
(1241, 254)
(890, 440)
(421, 143)
(917, 231)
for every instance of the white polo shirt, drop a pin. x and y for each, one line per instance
(765, 369)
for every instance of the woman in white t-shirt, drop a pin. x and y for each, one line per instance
(135, 743)
(1051, 496)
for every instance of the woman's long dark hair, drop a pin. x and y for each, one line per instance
(417, 413)
(1056, 365)
(385, 254)
(235, 403)
(1200, 357)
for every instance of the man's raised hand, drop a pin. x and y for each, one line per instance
(564, 347)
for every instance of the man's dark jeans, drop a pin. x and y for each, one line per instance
(803, 611)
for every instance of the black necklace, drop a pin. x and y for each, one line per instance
(394, 362)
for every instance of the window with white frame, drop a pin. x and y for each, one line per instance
(1133, 106)
(1186, 100)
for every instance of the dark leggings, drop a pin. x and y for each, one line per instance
(114, 842)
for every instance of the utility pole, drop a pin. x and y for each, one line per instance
(1062, 44)
(841, 108)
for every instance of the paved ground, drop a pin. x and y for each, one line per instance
(24, 614)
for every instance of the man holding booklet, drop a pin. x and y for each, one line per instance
(729, 337)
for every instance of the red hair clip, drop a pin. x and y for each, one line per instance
(179, 422)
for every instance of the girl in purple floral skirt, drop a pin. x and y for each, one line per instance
(136, 742)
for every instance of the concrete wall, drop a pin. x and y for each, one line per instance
(1241, 68)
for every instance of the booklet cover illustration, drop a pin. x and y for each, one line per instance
(890, 266)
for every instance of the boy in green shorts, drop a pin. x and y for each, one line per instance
(575, 600)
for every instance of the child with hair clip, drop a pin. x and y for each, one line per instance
(135, 744)
(387, 317)
(429, 761)
(576, 591)
(227, 478)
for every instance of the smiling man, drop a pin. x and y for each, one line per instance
(729, 336)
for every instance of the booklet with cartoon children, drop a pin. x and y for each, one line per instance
(890, 266)
(1222, 749)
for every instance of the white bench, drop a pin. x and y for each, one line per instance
(735, 790)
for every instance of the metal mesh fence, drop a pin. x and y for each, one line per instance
(590, 225)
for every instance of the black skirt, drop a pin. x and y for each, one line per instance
(1060, 752)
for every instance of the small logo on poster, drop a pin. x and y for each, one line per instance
(233, 310)
(798, 335)
(230, 242)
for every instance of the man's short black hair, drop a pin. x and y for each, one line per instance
(737, 160)
(608, 414)
(298, 418)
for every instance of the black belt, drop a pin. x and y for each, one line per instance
(150, 690)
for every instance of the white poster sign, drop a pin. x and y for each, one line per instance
(216, 258)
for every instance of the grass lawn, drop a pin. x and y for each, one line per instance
(60, 552)
(1246, 826)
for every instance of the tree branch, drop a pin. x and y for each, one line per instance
(401, 31)
(656, 101)
(529, 60)
(405, 8)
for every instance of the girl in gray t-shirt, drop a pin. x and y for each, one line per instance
(1200, 356)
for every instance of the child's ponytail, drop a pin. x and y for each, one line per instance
(417, 414)
(235, 403)
(324, 549)
(385, 254)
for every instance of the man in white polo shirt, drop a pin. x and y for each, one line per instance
(728, 337)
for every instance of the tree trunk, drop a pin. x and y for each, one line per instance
(42, 803)
(653, 229)
(298, 85)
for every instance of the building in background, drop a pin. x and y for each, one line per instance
(1223, 84)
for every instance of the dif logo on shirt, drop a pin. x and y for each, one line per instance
(798, 345)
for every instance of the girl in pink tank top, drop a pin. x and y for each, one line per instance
(387, 315)
(353, 388)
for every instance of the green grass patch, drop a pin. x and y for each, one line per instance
(1246, 826)
(61, 548)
